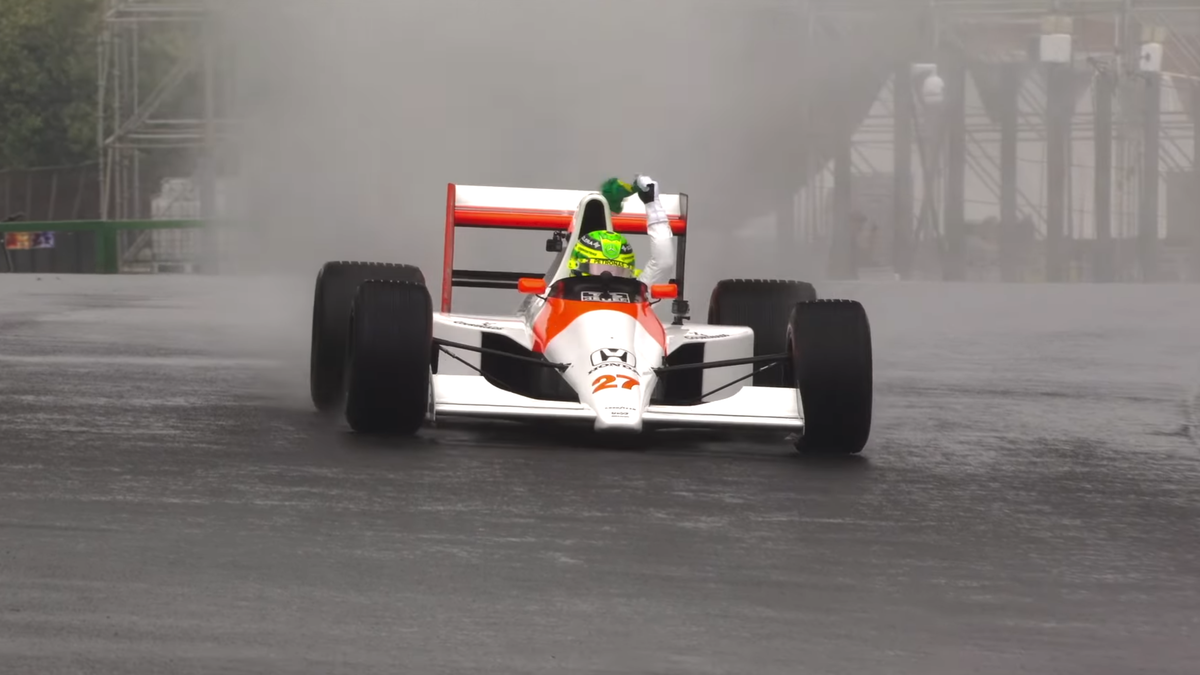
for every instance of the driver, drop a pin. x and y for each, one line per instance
(604, 251)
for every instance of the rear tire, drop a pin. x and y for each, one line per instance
(337, 283)
(829, 342)
(764, 305)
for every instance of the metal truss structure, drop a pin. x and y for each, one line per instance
(161, 110)
(174, 119)
(959, 21)
(993, 10)
(158, 93)
(986, 37)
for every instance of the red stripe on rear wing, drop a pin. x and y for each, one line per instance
(551, 220)
(479, 206)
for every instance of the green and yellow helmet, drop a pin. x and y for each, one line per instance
(602, 251)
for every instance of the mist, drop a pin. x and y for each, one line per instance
(357, 113)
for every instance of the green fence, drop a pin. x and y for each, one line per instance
(104, 239)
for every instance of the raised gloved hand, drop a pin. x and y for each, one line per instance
(656, 215)
(647, 188)
(662, 252)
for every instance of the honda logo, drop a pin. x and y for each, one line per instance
(602, 356)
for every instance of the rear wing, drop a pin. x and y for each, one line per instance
(509, 208)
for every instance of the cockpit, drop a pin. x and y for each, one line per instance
(603, 287)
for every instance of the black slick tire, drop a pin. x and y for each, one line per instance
(390, 347)
(763, 305)
(829, 345)
(336, 285)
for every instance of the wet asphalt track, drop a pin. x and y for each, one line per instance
(1030, 503)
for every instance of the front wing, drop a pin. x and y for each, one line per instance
(749, 408)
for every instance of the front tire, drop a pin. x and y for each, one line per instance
(337, 282)
(829, 342)
(390, 348)
(763, 305)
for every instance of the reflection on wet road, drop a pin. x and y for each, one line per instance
(169, 503)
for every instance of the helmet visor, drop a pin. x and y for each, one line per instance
(596, 268)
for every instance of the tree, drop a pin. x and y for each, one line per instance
(48, 55)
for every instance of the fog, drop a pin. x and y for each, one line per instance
(359, 112)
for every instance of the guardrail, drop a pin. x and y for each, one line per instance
(105, 236)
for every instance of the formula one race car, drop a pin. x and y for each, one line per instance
(588, 349)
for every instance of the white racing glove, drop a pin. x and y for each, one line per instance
(647, 189)
(658, 227)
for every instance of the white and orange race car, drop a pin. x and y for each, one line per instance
(586, 349)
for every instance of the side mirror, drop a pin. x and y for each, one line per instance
(664, 291)
(531, 286)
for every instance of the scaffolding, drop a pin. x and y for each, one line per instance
(161, 116)
(990, 37)
(165, 109)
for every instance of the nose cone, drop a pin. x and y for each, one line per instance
(607, 350)
(617, 400)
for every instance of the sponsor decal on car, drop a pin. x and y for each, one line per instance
(597, 296)
(613, 382)
(705, 336)
(620, 411)
(604, 356)
(612, 365)
(482, 325)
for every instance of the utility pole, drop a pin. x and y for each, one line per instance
(1195, 266)
(1058, 120)
(1010, 92)
(208, 152)
(902, 172)
(1150, 66)
(1055, 51)
(954, 266)
(843, 263)
(1105, 89)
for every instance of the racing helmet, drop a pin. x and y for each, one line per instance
(602, 251)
